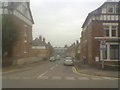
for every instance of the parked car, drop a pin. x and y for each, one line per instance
(52, 59)
(68, 61)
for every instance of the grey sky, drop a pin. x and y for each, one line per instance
(60, 21)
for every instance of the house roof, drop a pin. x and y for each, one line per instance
(96, 11)
(28, 3)
(38, 42)
(16, 4)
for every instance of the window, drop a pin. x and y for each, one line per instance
(101, 17)
(106, 31)
(110, 10)
(105, 53)
(108, 17)
(114, 31)
(117, 10)
(104, 18)
(5, 4)
(5, 11)
(114, 52)
(112, 17)
(116, 17)
(110, 31)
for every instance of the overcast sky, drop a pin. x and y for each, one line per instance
(60, 21)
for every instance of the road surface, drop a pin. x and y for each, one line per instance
(55, 75)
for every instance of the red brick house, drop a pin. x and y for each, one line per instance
(101, 33)
(73, 50)
(21, 14)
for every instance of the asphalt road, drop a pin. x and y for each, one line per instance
(55, 75)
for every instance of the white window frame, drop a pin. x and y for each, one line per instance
(116, 17)
(108, 17)
(113, 17)
(110, 29)
(116, 31)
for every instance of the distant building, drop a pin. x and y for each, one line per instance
(74, 50)
(59, 51)
(70, 51)
(41, 49)
(101, 33)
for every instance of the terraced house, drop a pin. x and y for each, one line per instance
(101, 33)
(20, 13)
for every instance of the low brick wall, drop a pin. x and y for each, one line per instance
(28, 60)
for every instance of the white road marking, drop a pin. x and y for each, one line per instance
(70, 78)
(96, 78)
(42, 75)
(83, 78)
(57, 77)
(47, 71)
(52, 68)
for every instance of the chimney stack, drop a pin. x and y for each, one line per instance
(40, 38)
(44, 40)
(77, 42)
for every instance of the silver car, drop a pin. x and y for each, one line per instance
(68, 61)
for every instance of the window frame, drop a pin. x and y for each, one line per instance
(110, 30)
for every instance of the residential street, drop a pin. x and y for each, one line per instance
(55, 75)
(60, 44)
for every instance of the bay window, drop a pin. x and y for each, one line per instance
(114, 52)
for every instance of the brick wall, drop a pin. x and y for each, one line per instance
(19, 49)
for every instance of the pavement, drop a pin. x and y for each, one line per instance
(90, 70)
(18, 68)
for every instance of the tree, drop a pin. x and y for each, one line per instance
(10, 35)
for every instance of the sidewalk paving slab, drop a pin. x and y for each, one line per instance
(87, 69)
